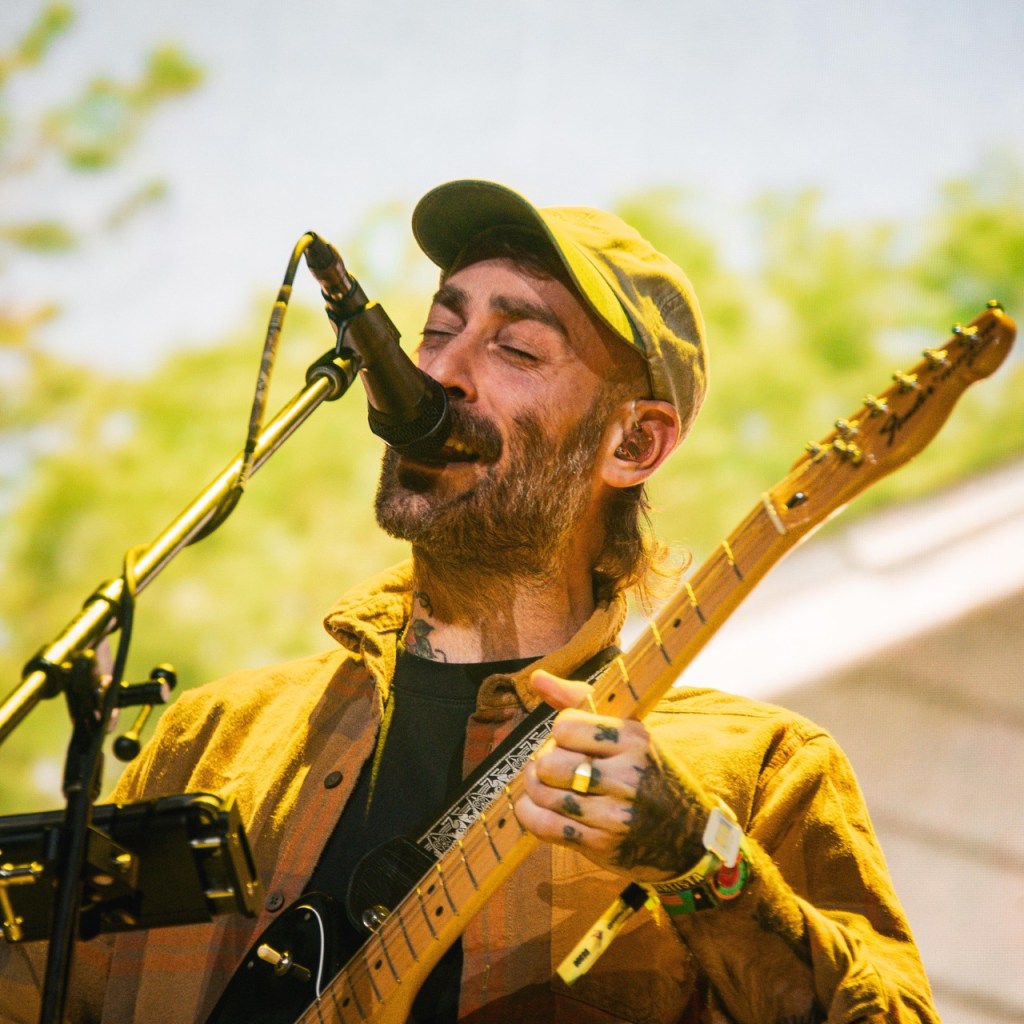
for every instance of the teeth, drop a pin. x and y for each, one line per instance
(459, 447)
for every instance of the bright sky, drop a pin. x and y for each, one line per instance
(315, 111)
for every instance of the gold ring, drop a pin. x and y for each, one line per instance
(581, 777)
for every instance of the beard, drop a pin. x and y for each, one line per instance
(517, 519)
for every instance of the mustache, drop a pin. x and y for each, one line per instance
(477, 433)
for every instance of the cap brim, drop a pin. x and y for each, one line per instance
(449, 216)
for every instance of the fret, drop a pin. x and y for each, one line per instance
(355, 998)
(336, 1006)
(653, 627)
(507, 793)
(465, 861)
(490, 838)
(369, 969)
(444, 886)
(397, 914)
(695, 604)
(382, 939)
(621, 664)
(426, 916)
(732, 560)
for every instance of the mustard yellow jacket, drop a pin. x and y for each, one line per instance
(277, 738)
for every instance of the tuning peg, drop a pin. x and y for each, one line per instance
(906, 381)
(994, 304)
(876, 405)
(848, 451)
(846, 429)
(936, 357)
(968, 335)
(815, 450)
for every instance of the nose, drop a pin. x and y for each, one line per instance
(452, 366)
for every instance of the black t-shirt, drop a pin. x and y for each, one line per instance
(404, 788)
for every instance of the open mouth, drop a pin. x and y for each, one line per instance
(452, 451)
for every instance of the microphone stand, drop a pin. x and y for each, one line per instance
(67, 665)
(327, 380)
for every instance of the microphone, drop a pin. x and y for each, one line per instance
(407, 409)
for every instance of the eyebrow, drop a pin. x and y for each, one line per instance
(454, 298)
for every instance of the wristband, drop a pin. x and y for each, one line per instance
(719, 876)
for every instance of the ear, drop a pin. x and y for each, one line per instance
(640, 437)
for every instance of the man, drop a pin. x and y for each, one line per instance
(573, 358)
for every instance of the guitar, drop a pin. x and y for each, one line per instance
(288, 975)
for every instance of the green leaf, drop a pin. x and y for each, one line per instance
(168, 73)
(40, 236)
(49, 26)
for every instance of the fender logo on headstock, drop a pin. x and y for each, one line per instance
(896, 421)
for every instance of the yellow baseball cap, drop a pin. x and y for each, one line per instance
(639, 293)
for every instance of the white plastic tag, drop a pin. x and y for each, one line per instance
(722, 836)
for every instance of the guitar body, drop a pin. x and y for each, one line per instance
(262, 993)
(315, 941)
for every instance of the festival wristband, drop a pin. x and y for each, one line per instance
(719, 876)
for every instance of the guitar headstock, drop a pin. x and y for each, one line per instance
(891, 428)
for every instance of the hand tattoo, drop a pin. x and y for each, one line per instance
(572, 835)
(606, 733)
(665, 825)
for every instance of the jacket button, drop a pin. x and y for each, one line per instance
(332, 780)
(274, 901)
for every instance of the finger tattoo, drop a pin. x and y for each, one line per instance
(572, 806)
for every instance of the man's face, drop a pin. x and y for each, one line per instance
(524, 367)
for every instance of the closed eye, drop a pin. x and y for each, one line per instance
(519, 354)
(436, 335)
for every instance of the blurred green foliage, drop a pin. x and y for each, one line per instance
(93, 464)
(42, 405)
(90, 131)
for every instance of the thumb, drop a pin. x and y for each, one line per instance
(559, 693)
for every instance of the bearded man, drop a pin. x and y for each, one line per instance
(573, 357)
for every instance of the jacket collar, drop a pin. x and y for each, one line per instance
(372, 618)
